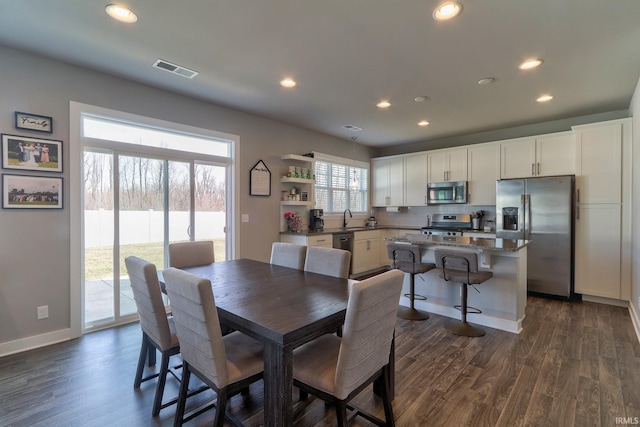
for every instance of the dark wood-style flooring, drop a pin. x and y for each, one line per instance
(575, 364)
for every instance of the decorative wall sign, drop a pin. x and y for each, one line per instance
(34, 122)
(31, 192)
(36, 154)
(260, 180)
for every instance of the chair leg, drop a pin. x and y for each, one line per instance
(182, 395)
(144, 349)
(386, 398)
(412, 313)
(341, 413)
(162, 379)
(221, 407)
(303, 395)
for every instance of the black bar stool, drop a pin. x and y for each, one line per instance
(406, 258)
(462, 267)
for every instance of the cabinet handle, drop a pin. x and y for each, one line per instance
(538, 168)
(533, 169)
(320, 241)
(578, 195)
(578, 212)
(368, 245)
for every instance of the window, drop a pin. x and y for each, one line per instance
(341, 186)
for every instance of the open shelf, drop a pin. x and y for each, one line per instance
(297, 180)
(295, 203)
(297, 157)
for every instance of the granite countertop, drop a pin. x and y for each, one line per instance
(350, 229)
(483, 243)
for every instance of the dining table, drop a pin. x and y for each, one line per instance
(281, 307)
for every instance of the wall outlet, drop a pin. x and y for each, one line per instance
(43, 312)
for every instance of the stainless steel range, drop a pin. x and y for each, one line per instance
(448, 225)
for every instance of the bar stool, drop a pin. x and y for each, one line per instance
(406, 258)
(462, 267)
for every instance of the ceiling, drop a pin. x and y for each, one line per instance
(347, 55)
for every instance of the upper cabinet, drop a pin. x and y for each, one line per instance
(483, 171)
(448, 165)
(545, 155)
(415, 172)
(387, 176)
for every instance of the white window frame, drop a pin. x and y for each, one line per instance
(350, 164)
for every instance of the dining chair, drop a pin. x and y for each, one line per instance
(189, 254)
(328, 261)
(288, 255)
(227, 364)
(158, 330)
(337, 369)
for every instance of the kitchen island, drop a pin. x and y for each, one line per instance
(502, 298)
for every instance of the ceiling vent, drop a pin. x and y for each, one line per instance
(175, 69)
(352, 128)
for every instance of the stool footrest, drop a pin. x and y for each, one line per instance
(470, 310)
(416, 297)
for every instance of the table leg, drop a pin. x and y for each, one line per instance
(278, 385)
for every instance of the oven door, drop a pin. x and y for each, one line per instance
(450, 192)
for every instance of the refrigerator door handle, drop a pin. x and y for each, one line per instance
(527, 215)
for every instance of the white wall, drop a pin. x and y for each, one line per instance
(34, 245)
(634, 110)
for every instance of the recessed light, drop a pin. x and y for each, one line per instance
(288, 82)
(420, 98)
(486, 81)
(530, 63)
(121, 13)
(423, 123)
(545, 98)
(447, 10)
(383, 104)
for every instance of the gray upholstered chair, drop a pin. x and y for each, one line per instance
(188, 254)
(407, 258)
(462, 267)
(337, 369)
(328, 261)
(288, 255)
(158, 331)
(227, 364)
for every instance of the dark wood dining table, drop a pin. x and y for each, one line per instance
(281, 307)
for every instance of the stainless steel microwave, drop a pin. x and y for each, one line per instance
(448, 192)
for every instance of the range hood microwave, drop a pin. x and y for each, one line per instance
(448, 192)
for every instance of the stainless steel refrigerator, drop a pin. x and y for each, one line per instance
(540, 210)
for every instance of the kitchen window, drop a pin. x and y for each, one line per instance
(341, 184)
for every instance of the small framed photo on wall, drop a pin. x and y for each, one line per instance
(34, 122)
(34, 154)
(31, 192)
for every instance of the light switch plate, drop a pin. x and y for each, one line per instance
(43, 312)
(245, 218)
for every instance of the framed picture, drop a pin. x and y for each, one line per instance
(31, 192)
(34, 122)
(260, 180)
(34, 154)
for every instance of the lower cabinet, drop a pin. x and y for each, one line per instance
(366, 251)
(324, 240)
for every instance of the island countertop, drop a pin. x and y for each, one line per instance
(483, 243)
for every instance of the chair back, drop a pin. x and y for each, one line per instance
(368, 330)
(197, 324)
(456, 260)
(146, 292)
(328, 261)
(188, 254)
(288, 255)
(404, 254)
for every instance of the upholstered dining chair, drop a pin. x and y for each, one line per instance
(328, 261)
(227, 364)
(188, 254)
(288, 255)
(337, 369)
(158, 330)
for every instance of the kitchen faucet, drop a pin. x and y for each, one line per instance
(344, 217)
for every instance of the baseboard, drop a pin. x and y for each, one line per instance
(604, 300)
(37, 341)
(635, 319)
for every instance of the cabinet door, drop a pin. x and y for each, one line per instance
(415, 173)
(599, 164)
(457, 165)
(597, 250)
(366, 255)
(437, 166)
(484, 171)
(324, 240)
(556, 154)
(517, 158)
(396, 182)
(380, 184)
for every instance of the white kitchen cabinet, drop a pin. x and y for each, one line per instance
(598, 250)
(483, 170)
(366, 251)
(324, 240)
(387, 176)
(544, 155)
(415, 179)
(448, 165)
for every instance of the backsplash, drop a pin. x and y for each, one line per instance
(420, 216)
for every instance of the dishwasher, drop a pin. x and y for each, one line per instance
(344, 241)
